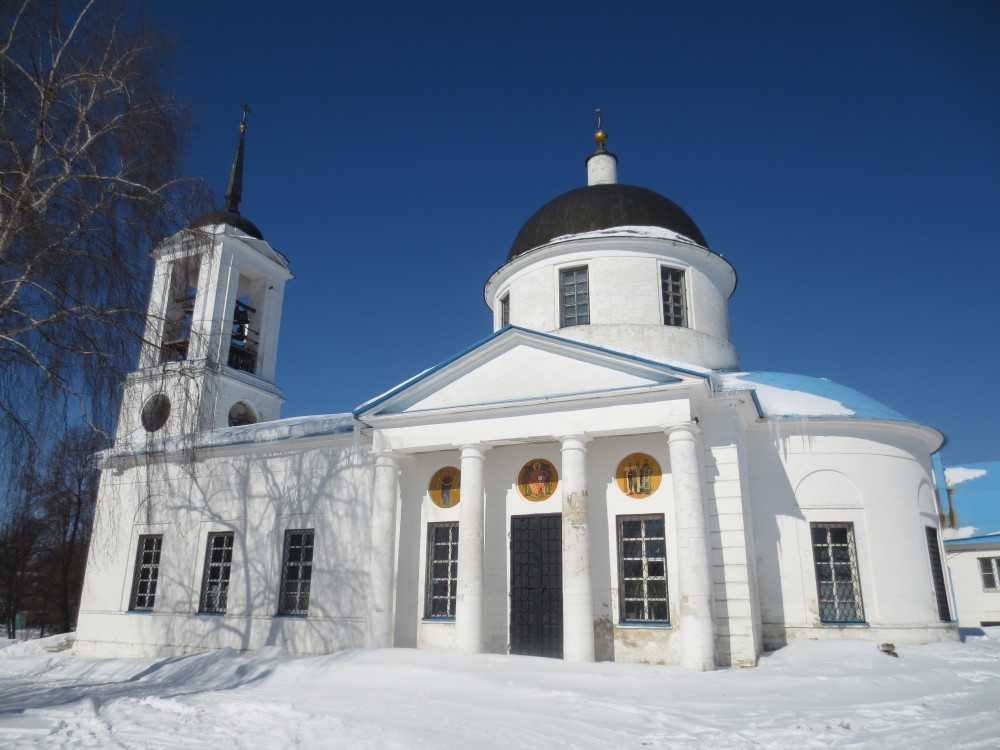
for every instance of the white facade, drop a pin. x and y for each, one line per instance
(436, 517)
(978, 599)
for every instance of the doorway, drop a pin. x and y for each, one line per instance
(536, 605)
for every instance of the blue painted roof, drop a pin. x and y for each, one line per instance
(776, 405)
(975, 501)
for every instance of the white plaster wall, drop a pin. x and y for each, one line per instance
(654, 643)
(412, 628)
(257, 496)
(200, 399)
(974, 605)
(867, 474)
(625, 296)
(739, 639)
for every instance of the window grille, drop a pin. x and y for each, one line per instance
(147, 573)
(989, 568)
(296, 572)
(672, 283)
(937, 574)
(442, 570)
(575, 290)
(218, 566)
(505, 310)
(642, 569)
(837, 581)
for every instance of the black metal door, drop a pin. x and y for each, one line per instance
(536, 585)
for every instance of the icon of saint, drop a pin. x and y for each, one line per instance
(538, 480)
(446, 483)
(647, 479)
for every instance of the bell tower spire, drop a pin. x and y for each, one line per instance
(234, 190)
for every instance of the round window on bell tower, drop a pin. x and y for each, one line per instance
(155, 412)
(242, 413)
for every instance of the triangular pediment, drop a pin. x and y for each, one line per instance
(517, 366)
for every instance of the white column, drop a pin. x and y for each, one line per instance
(383, 552)
(697, 625)
(578, 599)
(469, 597)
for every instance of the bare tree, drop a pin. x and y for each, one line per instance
(68, 492)
(89, 158)
(20, 540)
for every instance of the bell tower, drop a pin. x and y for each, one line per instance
(211, 338)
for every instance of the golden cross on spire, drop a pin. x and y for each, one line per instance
(243, 122)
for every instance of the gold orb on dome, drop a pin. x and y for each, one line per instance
(601, 137)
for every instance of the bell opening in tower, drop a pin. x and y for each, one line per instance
(180, 309)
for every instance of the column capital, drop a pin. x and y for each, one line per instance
(577, 441)
(474, 450)
(388, 458)
(680, 430)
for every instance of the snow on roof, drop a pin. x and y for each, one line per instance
(280, 429)
(783, 395)
(660, 233)
(262, 432)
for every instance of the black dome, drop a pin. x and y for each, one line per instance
(595, 207)
(232, 218)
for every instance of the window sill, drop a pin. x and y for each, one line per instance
(138, 611)
(861, 624)
(644, 624)
(438, 620)
(292, 616)
(211, 614)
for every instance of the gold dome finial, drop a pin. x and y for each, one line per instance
(600, 136)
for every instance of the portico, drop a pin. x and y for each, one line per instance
(488, 544)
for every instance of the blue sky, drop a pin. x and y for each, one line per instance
(845, 157)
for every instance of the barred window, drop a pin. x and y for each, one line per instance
(642, 569)
(296, 572)
(442, 569)
(989, 568)
(218, 566)
(505, 310)
(575, 299)
(147, 573)
(672, 283)
(937, 574)
(837, 581)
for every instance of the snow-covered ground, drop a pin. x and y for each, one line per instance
(808, 695)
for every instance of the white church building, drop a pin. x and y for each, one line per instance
(637, 498)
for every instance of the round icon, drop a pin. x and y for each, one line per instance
(638, 475)
(444, 488)
(538, 480)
